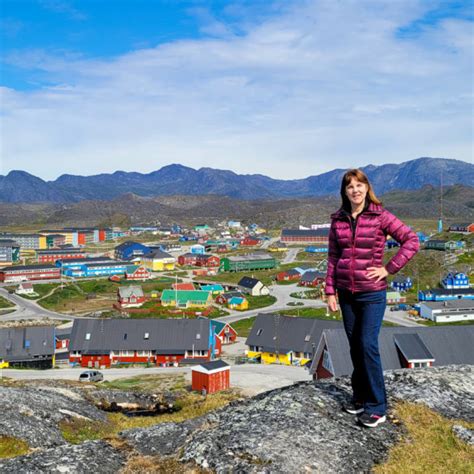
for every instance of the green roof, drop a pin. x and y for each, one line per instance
(218, 325)
(183, 296)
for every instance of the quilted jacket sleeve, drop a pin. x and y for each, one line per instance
(333, 256)
(408, 240)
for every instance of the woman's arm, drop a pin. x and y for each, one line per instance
(334, 253)
(408, 240)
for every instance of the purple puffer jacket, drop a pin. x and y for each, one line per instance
(348, 260)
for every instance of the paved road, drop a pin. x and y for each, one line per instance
(28, 309)
(290, 255)
(252, 379)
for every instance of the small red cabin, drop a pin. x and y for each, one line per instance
(211, 376)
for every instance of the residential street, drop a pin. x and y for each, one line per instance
(251, 378)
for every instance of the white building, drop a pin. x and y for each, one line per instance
(447, 311)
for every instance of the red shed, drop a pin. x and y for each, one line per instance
(212, 376)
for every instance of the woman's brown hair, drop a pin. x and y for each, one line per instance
(359, 176)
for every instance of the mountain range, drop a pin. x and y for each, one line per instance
(22, 187)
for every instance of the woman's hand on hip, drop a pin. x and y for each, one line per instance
(377, 273)
(332, 303)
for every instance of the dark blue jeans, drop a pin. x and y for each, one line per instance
(362, 314)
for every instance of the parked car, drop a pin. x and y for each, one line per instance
(91, 376)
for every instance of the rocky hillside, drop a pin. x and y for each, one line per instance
(19, 186)
(294, 429)
(458, 204)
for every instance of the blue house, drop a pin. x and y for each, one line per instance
(98, 269)
(129, 250)
(422, 237)
(198, 248)
(390, 243)
(441, 294)
(454, 280)
(316, 249)
(401, 283)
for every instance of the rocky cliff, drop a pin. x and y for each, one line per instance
(299, 428)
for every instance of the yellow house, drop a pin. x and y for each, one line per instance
(286, 340)
(158, 261)
(240, 304)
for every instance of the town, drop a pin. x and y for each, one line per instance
(175, 296)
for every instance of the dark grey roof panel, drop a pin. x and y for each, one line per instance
(412, 347)
(214, 364)
(162, 334)
(14, 345)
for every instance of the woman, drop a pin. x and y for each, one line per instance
(356, 273)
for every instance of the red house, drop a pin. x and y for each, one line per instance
(224, 331)
(29, 272)
(249, 241)
(289, 275)
(130, 296)
(108, 342)
(187, 259)
(207, 260)
(51, 255)
(211, 376)
(137, 272)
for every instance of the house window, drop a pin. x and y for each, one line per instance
(307, 337)
(146, 336)
(259, 332)
(127, 353)
(125, 336)
(88, 336)
(198, 336)
(143, 353)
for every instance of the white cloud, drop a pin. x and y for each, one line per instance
(324, 85)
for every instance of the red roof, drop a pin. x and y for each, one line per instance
(183, 286)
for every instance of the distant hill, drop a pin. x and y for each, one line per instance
(22, 187)
(458, 204)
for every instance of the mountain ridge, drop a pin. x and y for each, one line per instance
(22, 187)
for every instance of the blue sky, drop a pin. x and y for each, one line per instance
(282, 88)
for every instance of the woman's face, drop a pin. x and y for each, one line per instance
(356, 192)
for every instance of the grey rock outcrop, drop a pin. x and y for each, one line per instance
(92, 457)
(464, 434)
(33, 413)
(299, 428)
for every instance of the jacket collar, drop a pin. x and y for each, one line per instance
(373, 209)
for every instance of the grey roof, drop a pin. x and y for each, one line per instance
(247, 257)
(450, 304)
(286, 333)
(72, 261)
(452, 291)
(129, 291)
(117, 334)
(157, 254)
(248, 282)
(214, 364)
(63, 333)
(20, 268)
(311, 276)
(322, 232)
(447, 344)
(60, 251)
(9, 243)
(412, 347)
(400, 279)
(12, 342)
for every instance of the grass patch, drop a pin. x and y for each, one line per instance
(243, 326)
(4, 303)
(429, 446)
(192, 405)
(256, 302)
(11, 447)
(147, 383)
